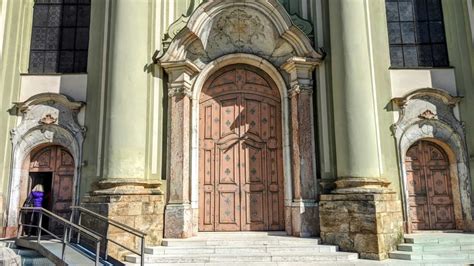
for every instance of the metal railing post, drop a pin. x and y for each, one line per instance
(63, 251)
(40, 226)
(97, 251)
(142, 263)
(79, 223)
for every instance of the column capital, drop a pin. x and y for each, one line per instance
(300, 72)
(181, 76)
(298, 89)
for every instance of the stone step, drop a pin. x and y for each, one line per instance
(446, 239)
(260, 258)
(160, 250)
(287, 241)
(422, 256)
(435, 247)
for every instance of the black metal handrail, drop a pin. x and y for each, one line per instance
(126, 228)
(68, 228)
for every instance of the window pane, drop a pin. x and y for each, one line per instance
(425, 57)
(36, 62)
(440, 56)
(68, 36)
(51, 62)
(396, 56)
(410, 55)
(437, 32)
(420, 10)
(38, 38)
(83, 16)
(394, 33)
(82, 38)
(54, 16)
(69, 16)
(52, 41)
(40, 16)
(435, 11)
(408, 32)
(80, 63)
(392, 11)
(66, 64)
(422, 32)
(406, 10)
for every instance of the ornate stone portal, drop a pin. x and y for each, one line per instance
(47, 118)
(429, 114)
(256, 33)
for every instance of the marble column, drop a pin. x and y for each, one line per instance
(178, 211)
(303, 212)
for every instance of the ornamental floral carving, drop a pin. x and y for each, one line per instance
(48, 120)
(428, 114)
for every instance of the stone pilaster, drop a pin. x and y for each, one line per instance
(303, 209)
(362, 215)
(136, 203)
(178, 212)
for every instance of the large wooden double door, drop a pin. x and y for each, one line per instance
(429, 187)
(53, 167)
(241, 177)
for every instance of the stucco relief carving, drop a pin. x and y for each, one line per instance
(242, 30)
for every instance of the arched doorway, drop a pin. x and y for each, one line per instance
(240, 152)
(430, 195)
(53, 167)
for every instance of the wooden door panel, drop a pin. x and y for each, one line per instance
(429, 188)
(44, 160)
(241, 187)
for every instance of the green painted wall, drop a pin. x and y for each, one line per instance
(14, 61)
(461, 57)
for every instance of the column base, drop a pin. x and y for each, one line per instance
(136, 203)
(302, 219)
(368, 221)
(179, 221)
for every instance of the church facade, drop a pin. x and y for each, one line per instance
(350, 120)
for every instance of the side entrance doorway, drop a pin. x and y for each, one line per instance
(240, 154)
(53, 168)
(430, 192)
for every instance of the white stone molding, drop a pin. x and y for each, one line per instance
(428, 114)
(46, 119)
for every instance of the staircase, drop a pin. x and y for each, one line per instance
(243, 248)
(453, 248)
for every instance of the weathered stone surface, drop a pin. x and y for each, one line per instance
(178, 221)
(370, 224)
(142, 211)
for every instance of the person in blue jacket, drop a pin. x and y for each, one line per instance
(37, 196)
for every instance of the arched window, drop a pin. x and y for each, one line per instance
(416, 33)
(60, 36)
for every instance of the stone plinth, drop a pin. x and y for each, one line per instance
(138, 204)
(366, 219)
(302, 219)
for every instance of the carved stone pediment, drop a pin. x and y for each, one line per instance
(426, 106)
(218, 28)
